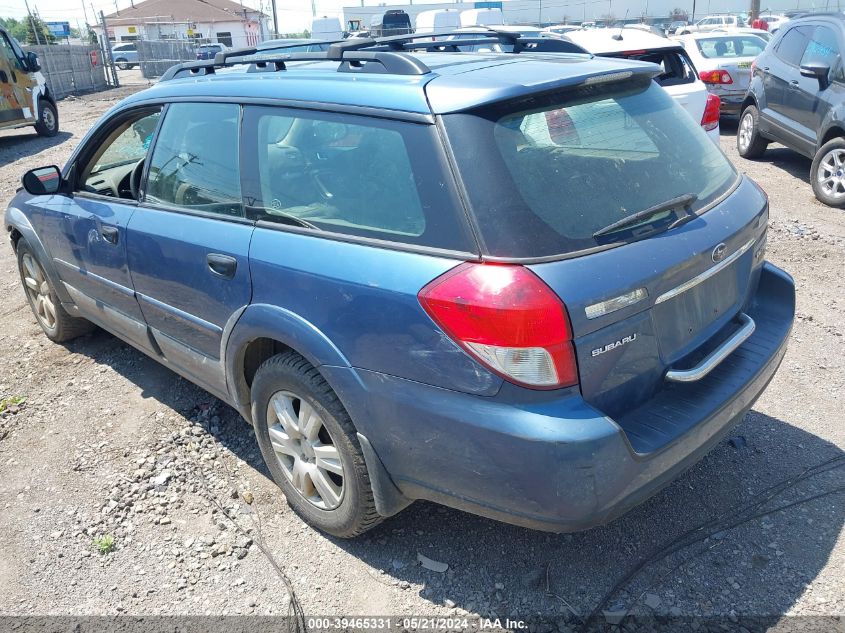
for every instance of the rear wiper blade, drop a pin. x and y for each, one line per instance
(684, 200)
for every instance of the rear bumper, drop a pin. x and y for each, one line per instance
(731, 101)
(551, 461)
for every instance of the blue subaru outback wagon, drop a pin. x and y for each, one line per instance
(526, 286)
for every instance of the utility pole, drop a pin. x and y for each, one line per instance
(755, 10)
(275, 20)
(107, 49)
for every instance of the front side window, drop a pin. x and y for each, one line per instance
(546, 174)
(118, 158)
(195, 164)
(791, 48)
(735, 46)
(823, 48)
(352, 175)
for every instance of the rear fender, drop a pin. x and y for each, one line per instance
(272, 322)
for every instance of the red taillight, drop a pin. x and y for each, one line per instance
(715, 77)
(508, 319)
(710, 118)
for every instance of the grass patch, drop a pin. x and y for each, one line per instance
(11, 401)
(104, 543)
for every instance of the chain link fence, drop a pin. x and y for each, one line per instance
(71, 68)
(156, 56)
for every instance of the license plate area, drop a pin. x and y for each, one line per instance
(689, 319)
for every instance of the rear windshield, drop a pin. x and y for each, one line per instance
(735, 46)
(546, 173)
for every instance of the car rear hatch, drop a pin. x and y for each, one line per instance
(622, 205)
(682, 294)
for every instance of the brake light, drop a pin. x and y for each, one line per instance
(715, 77)
(710, 118)
(508, 319)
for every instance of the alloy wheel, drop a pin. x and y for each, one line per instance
(305, 450)
(831, 173)
(38, 290)
(746, 128)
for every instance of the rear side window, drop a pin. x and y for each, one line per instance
(736, 46)
(352, 175)
(194, 164)
(791, 47)
(544, 174)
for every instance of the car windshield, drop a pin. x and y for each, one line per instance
(731, 46)
(546, 173)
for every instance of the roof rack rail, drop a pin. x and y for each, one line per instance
(344, 51)
(388, 54)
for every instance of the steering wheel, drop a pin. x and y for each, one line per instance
(135, 179)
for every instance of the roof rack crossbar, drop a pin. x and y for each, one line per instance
(391, 54)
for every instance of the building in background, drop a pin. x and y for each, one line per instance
(222, 21)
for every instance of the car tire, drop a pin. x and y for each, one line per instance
(749, 142)
(58, 325)
(313, 446)
(828, 173)
(48, 119)
(122, 64)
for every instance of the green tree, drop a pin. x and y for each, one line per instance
(15, 28)
(37, 32)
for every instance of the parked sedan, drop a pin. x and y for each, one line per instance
(678, 76)
(724, 62)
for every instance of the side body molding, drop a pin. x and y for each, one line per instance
(267, 321)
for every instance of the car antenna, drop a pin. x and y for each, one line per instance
(618, 36)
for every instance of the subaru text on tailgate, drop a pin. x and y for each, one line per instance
(525, 286)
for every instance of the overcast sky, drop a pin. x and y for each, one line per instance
(294, 15)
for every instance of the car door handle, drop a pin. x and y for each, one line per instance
(222, 265)
(110, 233)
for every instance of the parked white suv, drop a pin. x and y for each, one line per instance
(712, 23)
(679, 77)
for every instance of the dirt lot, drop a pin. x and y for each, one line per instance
(107, 442)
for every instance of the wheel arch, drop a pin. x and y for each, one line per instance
(19, 228)
(834, 131)
(263, 331)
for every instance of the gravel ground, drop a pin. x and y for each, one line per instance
(107, 443)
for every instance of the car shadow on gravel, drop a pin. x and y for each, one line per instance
(756, 568)
(793, 163)
(25, 142)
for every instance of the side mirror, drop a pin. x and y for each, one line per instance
(818, 71)
(43, 181)
(32, 63)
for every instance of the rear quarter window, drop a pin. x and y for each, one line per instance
(791, 47)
